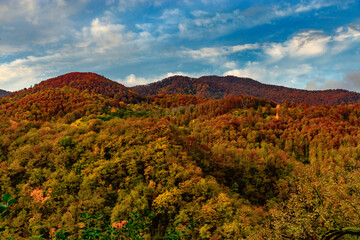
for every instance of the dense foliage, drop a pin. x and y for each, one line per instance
(180, 166)
(88, 82)
(218, 87)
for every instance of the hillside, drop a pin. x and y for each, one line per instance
(218, 87)
(91, 82)
(4, 93)
(81, 161)
(185, 167)
(75, 94)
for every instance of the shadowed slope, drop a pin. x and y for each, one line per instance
(4, 93)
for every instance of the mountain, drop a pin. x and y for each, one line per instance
(79, 161)
(91, 82)
(218, 87)
(4, 93)
(76, 94)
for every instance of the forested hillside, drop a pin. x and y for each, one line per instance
(190, 167)
(72, 95)
(218, 87)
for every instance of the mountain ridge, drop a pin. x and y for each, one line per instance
(211, 87)
(4, 93)
(218, 87)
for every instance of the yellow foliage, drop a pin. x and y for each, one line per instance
(167, 201)
(205, 232)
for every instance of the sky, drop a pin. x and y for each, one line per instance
(306, 44)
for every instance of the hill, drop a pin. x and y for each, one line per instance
(91, 82)
(218, 87)
(76, 94)
(4, 93)
(81, 161)
(232, 168)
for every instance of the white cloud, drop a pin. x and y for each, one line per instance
(314, 44)
(199, 13)
(247, 73)
(23, 72)
(35, 22)
(112, 41)
(302, 45)
(345, 38)
(252, 70)
(99, 29)
(125, 5)
(6, 49)
(171, 18)
(219, 57)
(145, 26)
(231, 64)
(313, 5)
(347, 33)
(306, 6)
(133, 80)
(104, 36)
(170, 74)
(270, 74)
(128, 5)
(95, 47)
(210, 26)
(215, 24)
(17, 75)
(168, 14)
(219, 51)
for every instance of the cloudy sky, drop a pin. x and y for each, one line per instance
(307, 44)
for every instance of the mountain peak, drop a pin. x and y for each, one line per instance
(71, 95)
(82, 81)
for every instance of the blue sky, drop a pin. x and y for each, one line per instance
(309, 44)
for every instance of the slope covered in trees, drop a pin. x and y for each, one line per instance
(72, 94)
(188, 167)
(91, 82)
(219, 87)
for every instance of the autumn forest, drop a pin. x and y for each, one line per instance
(208, 158)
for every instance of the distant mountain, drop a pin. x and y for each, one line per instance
(218, 87)
(4, 93)
(73, 94)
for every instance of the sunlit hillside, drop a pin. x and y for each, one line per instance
(174, 166)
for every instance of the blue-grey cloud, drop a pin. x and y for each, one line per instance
(351, 82)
